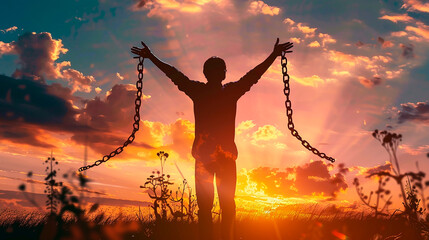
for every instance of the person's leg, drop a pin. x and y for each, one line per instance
(226, 178)
(205, 193)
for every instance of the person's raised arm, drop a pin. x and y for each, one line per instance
(253, 75)
(175, 75)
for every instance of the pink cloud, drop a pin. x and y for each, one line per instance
(385, 43)
(399, 34)
(11, 29)
(415, 5)
(421, 29)
(6, 48)
(370, 82)
(98, 90)
(312, 81)
(259, 7)
(289, 21)
(326, 38)
(397, 18)
(78, 81)
(244, 126)
(407, 50)
(420, 150)
(38, 53)
(314, 44)
(165, 8)
(120, 77)
(309, 179)
(266, 133)
(366, 171)
(416, 112)
(308, 31)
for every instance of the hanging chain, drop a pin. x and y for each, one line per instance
(289, 111)
(136, 124)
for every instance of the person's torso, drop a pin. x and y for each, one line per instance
(215, 111)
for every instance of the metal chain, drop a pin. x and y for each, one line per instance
(289, 111)
(136, 124)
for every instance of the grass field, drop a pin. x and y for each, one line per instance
(36, 226)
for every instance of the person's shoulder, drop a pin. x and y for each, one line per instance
(196, 84)
(230, 84)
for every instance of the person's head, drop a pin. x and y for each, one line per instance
(214, 69)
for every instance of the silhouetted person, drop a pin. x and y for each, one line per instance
(214, 148)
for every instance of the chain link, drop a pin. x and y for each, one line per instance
(136, 124)
(289, 112)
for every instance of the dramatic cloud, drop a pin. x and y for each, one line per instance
(367, 171)
(23, 134)
(266, 133)
(78, 81)
(407, 50)
(416, 5)
(289, 21)
(369, 83)
(259, 7)
(110, 118)
(243, 126)
(164, 8)
(98, 90)
(31, 102)
(314, 178)
(182, 135)
(309, 32)
(384, 43)
(416, 112)
(6, 48)
(399, 34)
(310, 179)
(397, 18)
(314, 44)
(369, 70)
(359, 43)
(421, 30)
(11, 29)
(312, 81)
(269, 181)
(420, 150)
(38, 53)
(115, 110)
(31, 106)
(120, 77)
(301, 27)
(326, 38)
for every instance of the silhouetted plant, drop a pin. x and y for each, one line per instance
(187, 201)
(158, 185)
(61, 201)
(52, 184)
(409, 192)
(378, 207)
(159, 189)
(412, 199)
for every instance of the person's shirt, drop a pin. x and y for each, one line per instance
(215, 109)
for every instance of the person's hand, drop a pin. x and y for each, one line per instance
(142, 52)
(284, 47)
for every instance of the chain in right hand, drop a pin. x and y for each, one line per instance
(289, 111)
